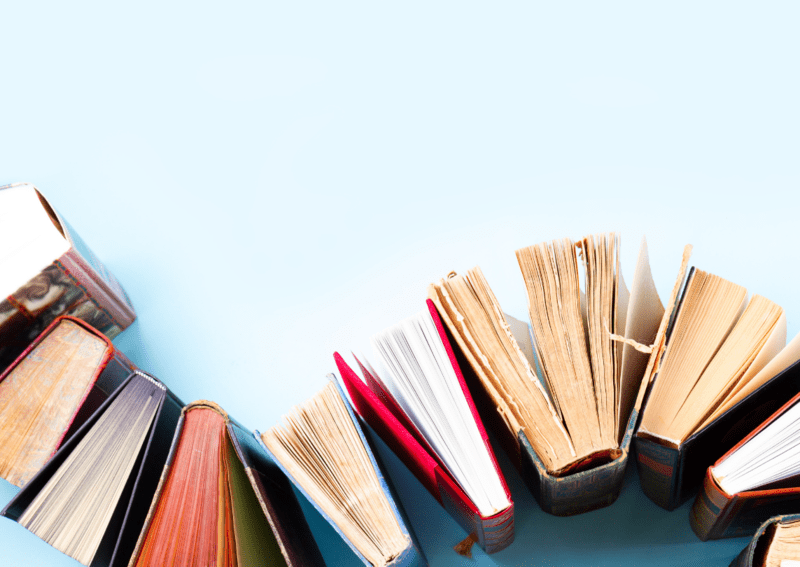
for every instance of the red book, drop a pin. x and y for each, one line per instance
(380, 411)
(717, 514)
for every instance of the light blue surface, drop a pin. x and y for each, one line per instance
(274, 181)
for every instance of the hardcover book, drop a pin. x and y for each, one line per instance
(221, 502)
(52, 388)
(562, 395)
(49, 271)
(90, 500)
(775, 544)
(423, 411)
(724, 370)
(755, 480)
(322, 450)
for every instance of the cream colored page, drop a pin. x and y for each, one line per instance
(644, 316)
(654, 361)
(771, 360)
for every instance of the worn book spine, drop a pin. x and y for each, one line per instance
(755, 553)
(712, 510)
(76, 284)
(659, 471)
(579, 492)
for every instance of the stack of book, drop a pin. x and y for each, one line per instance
(115, 469)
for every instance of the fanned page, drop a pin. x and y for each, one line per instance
(420, 377)
(784, 548)
(470, 308)
(712, 353)
(771, 455)
(322, 450)
(207, 512)
(41, 395)
(74, 508)
(644, 314)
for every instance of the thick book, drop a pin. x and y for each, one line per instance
(735, 373)
(50, 390)
(90, 500)
(49, 271)
(569, 443)
(339, 475)
(770, 547)
(379, 409)
(221, 501)
(754, 481)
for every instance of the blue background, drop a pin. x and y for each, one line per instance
(274, 181)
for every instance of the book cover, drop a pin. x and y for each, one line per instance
(492, 533)
(130, 510)
(412, 556)
(74, 282)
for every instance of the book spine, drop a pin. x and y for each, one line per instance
(659, 472)
(710, 513)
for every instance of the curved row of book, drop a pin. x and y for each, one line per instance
(115, 470)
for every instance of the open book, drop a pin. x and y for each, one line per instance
(776, 544)
(322, 450)
(52, 388)
(721, 373)
(49, 271)
(90, 500)
(757, 479)
(421, 408)
(565, 413)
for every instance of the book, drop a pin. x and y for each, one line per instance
(755, 480)
(421, 408)
(220, 501)
(322, 450)
(52, 388)
(724, 369)
(565, 411)
(775, 544)
(89, 501)
(49, 271)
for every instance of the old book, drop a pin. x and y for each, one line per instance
(723, 371)
(565, 411)
(775, 544)
(757, 479)
(221, 502)
(420, 406)
(322, 449)
(90, 499)
(49, 271)
(51, 390)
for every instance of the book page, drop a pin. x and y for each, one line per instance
(784, 545)
(644, 316)
(29, 241)
(765, 366)
(422, 380)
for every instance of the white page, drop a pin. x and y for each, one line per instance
(421, 379)
(771, 455)
(29, 241)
